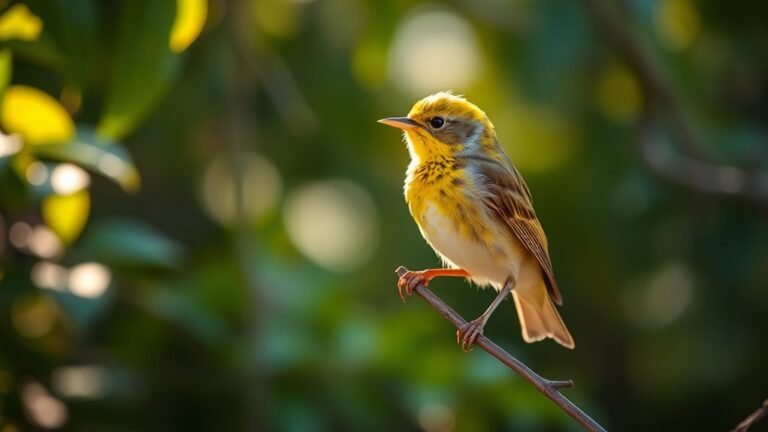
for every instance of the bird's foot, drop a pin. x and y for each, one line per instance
(409, 281)
(468, 333)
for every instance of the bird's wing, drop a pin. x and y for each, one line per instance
(509, 199)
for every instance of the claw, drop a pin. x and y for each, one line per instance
(468, 333)
(408, 283)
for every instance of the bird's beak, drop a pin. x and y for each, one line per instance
(403, 123)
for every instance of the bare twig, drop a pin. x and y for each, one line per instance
(693, 169)
(547, 387)
(753, 418)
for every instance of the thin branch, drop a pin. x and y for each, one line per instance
(547, 387)
(241, 140)
(693, 169)
(655, 84)
(753, 418)
(277, 80)
(686, 171)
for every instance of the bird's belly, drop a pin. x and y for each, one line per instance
(488, 261)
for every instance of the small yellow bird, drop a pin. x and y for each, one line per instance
(474, 209)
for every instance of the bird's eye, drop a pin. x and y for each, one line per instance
(437, 122)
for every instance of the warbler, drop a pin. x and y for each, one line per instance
(474, 209)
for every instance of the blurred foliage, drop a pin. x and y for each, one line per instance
(199, 216)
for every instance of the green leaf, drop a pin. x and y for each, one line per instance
(143, 65)
(42, 51)
(97, 154)
(192, 316)
(130, 244)
(71, 27)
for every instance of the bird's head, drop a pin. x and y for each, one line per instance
(445, 124)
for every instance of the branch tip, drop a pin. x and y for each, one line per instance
(557, 385)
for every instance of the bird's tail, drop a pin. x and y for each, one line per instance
(538, 317)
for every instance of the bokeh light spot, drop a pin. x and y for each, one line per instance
(434, 50)
(42, 408)
(80, 381)
(618, 94)
(677, 23)
(334, 223)
(277, 18)
(36, 173)
(49, 275)
(537, 138)
(9, 144)
(369, 64)
(68, 178)
(662, 299)
(34, 316)
(262, 187)
(44, 243)
(71, 98)
(19, 235)
(731, 179)
(89, 280)
(437, 418)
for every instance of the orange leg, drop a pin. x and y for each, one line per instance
(469, 332)
(408, 282)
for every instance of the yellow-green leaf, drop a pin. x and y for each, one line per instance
(189, 22)
(5, 69)
(67, 215)
(36, 116)
(19, 23)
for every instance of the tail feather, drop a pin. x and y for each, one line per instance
(538, 317)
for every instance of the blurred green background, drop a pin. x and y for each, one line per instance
(200, 217)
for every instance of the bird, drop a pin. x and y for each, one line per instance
(474, 209)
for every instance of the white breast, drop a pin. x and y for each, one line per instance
(487, 265)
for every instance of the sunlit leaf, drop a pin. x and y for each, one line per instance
(19, 23)
(36, 116)
(67, 215)
(5, 70)
(130, 244)
(190, 19)
(97, 154)
(143, 65)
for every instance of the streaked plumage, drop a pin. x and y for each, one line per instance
(474, 209)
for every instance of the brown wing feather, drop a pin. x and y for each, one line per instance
(509, 198)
